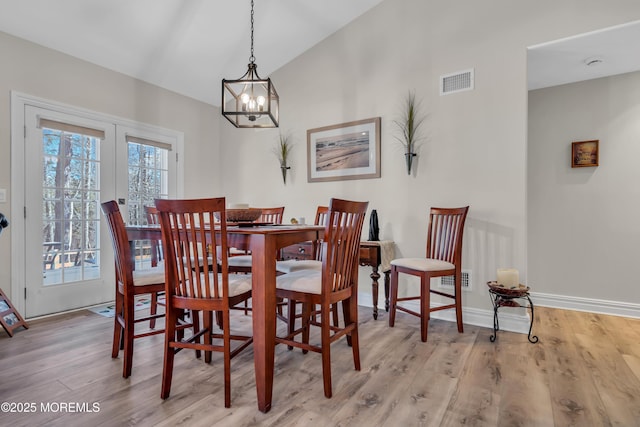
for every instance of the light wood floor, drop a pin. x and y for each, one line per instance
(585, 371)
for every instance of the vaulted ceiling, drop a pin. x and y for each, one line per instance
(187, 46)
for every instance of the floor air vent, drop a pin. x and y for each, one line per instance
(447, 281)
(456, 82)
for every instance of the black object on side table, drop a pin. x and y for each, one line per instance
(505, 297)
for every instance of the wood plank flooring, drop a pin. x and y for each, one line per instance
(585, 371)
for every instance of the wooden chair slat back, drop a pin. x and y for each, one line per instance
(341, 246)
(321, 215)
(151, 213)
(272, 215)
(192, 245)
(444, 239)
(321, 219)
(120, 242)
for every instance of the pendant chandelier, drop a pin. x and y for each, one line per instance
(250, 102)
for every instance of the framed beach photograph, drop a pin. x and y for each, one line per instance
(345, 151)
(584, 154)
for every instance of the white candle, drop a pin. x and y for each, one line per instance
(509, 277)
(239, 206)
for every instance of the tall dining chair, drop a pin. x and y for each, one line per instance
(336, 281)
(240, 260)
(443, 258)
(241, 263)
(291, 265)
(151, 212)
(129, 285)
(190, 235)
(271, 215)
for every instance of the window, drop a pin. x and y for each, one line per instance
(148, 176)
(70, 198)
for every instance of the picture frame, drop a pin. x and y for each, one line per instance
(585, 154)
(10, 319)
(344, 151)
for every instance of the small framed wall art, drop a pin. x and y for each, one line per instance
(584, 154)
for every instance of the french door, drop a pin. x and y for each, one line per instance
(72, 163)
(69, 169)
(146, 167)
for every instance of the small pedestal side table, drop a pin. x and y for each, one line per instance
(378, 255)
(504, 297)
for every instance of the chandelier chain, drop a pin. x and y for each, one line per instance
(252, 58)
(250, 102)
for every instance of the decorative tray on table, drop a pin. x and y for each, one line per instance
(242, 215)
(515, 291)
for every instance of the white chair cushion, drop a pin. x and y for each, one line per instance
(423, 264)
(238, 284)
(308, 281)
(291, 265)
(240, 261)
(151, 276)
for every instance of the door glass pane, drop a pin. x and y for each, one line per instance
(148, 180)
(70, 218)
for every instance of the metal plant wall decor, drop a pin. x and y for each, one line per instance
(408, 125)
(282, 151)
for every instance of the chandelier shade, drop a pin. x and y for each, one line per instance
(250, 101)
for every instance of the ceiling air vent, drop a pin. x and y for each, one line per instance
(456, 82)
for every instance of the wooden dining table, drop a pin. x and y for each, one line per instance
(264, 243)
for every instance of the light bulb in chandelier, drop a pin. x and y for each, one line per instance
(251, 105)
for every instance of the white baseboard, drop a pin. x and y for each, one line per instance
(613, 308)
(511, 319)
(518, 320)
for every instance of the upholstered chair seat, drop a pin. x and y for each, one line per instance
(308, 281)
(293, 265)
(423, 264)
(240, 261)
(149, 276)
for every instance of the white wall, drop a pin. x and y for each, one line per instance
(475, 152)
(44, 73)
(476, 147)
(584, 232)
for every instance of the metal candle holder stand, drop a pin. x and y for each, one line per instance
(503, 297)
